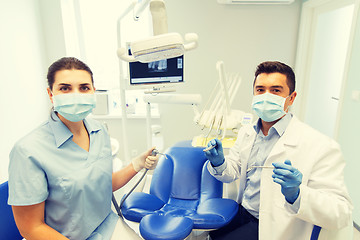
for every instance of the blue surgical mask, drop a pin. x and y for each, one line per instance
(269, 107)
(74, 107)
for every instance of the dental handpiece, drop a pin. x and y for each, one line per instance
(209, 148)
(156, 152)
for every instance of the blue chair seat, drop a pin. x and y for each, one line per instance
(166, 227)
(214, 213)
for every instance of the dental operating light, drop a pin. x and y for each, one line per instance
(162, 45)
(158, 47)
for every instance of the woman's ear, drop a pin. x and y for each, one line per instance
(50, 95)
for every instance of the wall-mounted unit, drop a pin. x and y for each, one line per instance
(255, 1)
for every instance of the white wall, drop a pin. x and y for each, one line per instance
(53, 32)
(23, 100)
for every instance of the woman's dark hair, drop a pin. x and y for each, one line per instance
(66, 63)
(277, 67)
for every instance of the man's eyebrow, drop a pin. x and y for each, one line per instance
(277, 86)
(274, 86)
(64, 84)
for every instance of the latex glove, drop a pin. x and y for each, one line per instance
(145, 160)
(215, 155)
(289, 178)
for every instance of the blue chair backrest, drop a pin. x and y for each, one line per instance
(8, 229)
(183, 175)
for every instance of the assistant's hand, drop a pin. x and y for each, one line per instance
(215, 155)
(145, 160)
(289, 178)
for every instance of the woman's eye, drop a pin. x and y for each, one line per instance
(64, 89)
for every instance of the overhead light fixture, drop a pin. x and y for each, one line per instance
(162, 45)
(158, 47)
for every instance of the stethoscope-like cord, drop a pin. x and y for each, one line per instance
(117, 207)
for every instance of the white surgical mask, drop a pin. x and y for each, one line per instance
(74, 107)
(269, 107)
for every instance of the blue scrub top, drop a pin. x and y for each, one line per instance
(76, 185)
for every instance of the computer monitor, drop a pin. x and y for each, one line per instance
(156, 75)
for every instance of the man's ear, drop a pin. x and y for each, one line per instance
(292, 98)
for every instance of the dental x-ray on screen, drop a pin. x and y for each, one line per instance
(156, 74)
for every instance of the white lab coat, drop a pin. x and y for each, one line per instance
(323, 199)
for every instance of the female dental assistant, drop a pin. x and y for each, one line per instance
(60, 174)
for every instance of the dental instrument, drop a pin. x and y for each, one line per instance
(156, 152)
(209, 148)
(212, 146)
(261, 167)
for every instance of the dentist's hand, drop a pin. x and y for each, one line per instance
(289, 178)
(215, 155)
(145, 160)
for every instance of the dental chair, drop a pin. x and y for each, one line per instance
(183, 196)
(8, 229)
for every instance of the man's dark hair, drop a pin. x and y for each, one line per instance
(277, 67)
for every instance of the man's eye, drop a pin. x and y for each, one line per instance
(85, 88)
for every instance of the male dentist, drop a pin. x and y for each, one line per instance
(291, 176)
